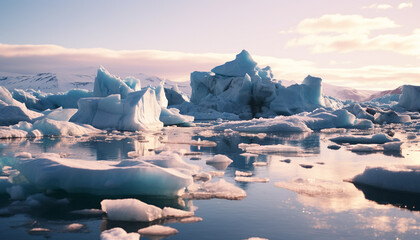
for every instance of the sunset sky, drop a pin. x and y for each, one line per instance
(361, 44)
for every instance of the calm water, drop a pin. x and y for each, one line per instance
(324, 207)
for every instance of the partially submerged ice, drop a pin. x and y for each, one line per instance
(163, 175)
(403, 179)
(242, 88)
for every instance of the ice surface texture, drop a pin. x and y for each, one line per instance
(157, 175)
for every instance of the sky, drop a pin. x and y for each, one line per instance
(362, 44)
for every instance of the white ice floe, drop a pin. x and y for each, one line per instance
(157, 230)
(243, 174)
(129, 209)
(252, 179)
(190, 219)
(403, 178)
(74, 227)
(269, 149)
(391, 117)
(157, 175)
(46, 127)
(119, 233)
(220, 189)
(378, 138)
(219, 158)
(365, 148)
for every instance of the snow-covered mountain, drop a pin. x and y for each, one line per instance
(60, 82)
(346, 93)
(398, 90)
(46, 82)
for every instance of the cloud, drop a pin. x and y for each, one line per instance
(403, 44)
(378, 6)
(405, 5)
(30, 59)
(337, 23)
(348, 33)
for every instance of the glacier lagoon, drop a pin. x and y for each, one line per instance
(306, 196)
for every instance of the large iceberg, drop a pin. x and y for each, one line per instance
(12, 111)
(107, 84)
(162, 175)
(242, 88)
(409, 98)
(138, 111)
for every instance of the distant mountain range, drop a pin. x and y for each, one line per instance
(59, 82)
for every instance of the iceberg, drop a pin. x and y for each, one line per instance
(378, 138)
(409, 98)
(126, 177)
(107, 84)
(139, 111)
(12, 111)
(240, 87)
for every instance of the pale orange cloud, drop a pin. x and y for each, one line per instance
(337, 23)
(177, 66)
(378, 6)
(405, 5)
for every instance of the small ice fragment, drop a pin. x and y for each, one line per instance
(120, 234)
(133, 154)
(130, 210)
(74, 227)
(157, 230)
(243, 174)
(39, 230)
(365, 148)
(169, 212)
(256, 238)
(23, 155)
(259, 164)
(220, 162)
(286, 160)
(392, 147)
(190, 220)
(217, 173)
(252, 179)
(249, 154)
(220, 189)
(203, 176)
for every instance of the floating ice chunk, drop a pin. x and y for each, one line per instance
(129, 177)
(220, 189)
(203, 176)
(49, 127)
(363, 124)
(139, 111)
(243, 174)
(157, 230)
(131, 210)
(391, 117)
(217, 173)
(365, 148)
(409, 98)
(39, 230)
(392, 147)
(172, 116)
(277, 124)
(190, 220)
(169, 212)
(75, 227)
(358, 111)
(378, 138)
(259, 164)
(252, 179)
(22, 155)
(107, 84)
(256, 238)
(249, 154)
(403, 179)
(307, 166)
(120, 234)
(220, 162)
(199, 142)
(175, 96)
(269, 149)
